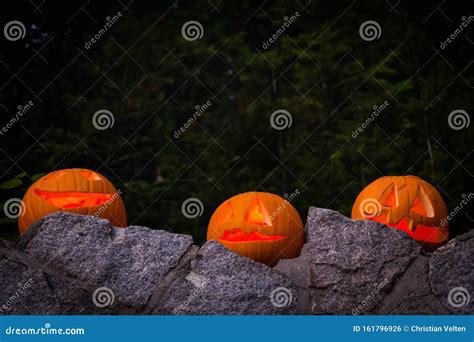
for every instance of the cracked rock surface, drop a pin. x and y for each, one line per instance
(131, 262)
(221, 282)
(364, 267)
(75, 264)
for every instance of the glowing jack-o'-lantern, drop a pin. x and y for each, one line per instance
(79, 191)
(407, 203)
(258, 225)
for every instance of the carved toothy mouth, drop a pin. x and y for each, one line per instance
(72, 199)
(238, 235)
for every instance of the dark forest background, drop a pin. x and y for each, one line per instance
(319, 70)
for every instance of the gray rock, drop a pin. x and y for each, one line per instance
(129, 261)
(345, 267)
(30, 289)
(353, 264)
(411, 294)
(222, 282)
(452, 276)
(296, 269)
(440, 283)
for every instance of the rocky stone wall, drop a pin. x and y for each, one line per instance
(74, 264)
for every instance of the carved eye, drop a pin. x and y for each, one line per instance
(257, 214)
(391, 197)
(422, 204)
(90, 175)
(227, 212)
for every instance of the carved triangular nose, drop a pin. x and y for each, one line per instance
(257, 214)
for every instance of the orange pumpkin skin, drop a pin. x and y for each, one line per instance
(407, 203)
(259, 225)
(79, 191)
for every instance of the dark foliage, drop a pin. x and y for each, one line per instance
(319, 70)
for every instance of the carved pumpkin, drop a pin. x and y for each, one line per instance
(258, 225)
(407, 203)
(79, 191)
